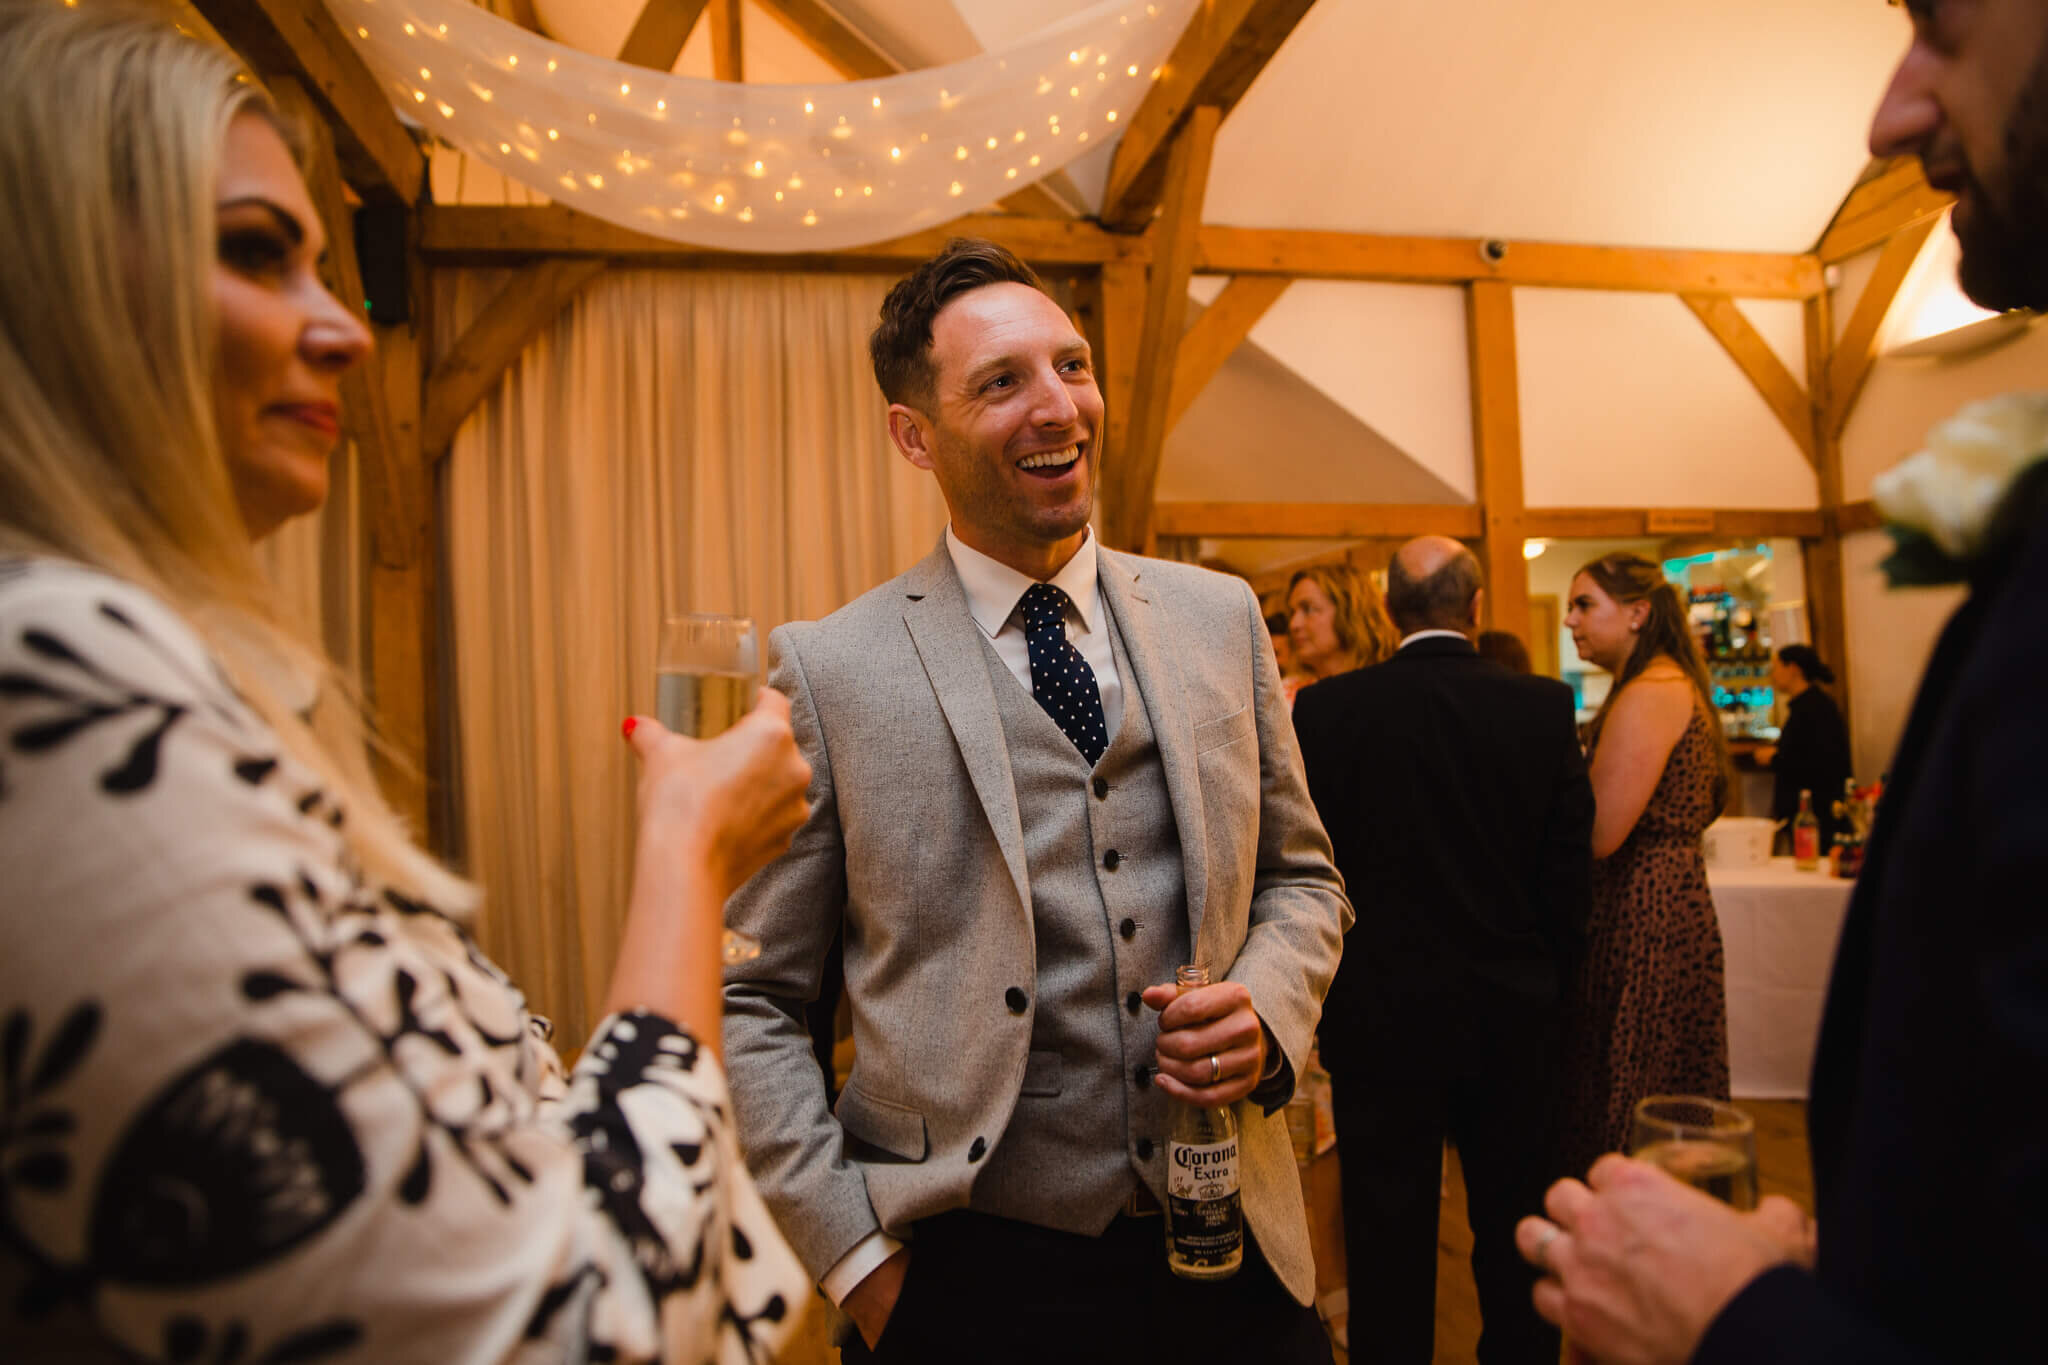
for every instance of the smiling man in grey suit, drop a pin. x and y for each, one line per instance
(1045, 775)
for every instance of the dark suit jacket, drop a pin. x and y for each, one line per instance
(1456, 798)
(1929, 1116)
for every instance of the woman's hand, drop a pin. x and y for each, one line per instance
(712, 814)
(733, 801)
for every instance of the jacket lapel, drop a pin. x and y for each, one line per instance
(1157, 687)
(949, 645)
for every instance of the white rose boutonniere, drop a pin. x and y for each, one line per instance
(1939, 502)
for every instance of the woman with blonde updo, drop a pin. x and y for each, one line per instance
(263, 1097)
(1646, 1013)
(1337, 621)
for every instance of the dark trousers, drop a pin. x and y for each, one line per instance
(1489, 1084)
(993, 1290)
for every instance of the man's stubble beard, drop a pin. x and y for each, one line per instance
(2005, 245)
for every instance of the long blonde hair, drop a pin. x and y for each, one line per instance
(112, 124)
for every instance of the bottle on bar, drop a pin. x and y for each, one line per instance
(1805, 834)
(1204, 1213)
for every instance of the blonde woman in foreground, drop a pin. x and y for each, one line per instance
(261, 1097)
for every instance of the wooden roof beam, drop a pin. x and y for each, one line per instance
(281, 38)
(1318, 520)
(1634, 523)
(1785, 396)
(473, 366)
(1131, 474)
(1220, 330)
(1226, 45)
(1466, 521)
(835, 41)
(1307, 254)
(1856, 352)
(478, 235)
(727, 50)
(1885, 204)
(660, 32)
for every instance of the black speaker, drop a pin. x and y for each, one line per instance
(380, 256)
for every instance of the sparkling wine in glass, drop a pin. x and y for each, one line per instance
(705, 671)
(1709, 1144)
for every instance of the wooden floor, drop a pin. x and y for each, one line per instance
(1781, 1169)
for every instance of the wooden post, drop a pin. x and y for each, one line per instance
(1497, 452)
(403, 621)
(380, 410)
(1827, 598)
(728, 62)
(1128, 480)
(1110, 305)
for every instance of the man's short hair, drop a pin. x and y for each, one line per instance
(901, 344)
(1441, 601)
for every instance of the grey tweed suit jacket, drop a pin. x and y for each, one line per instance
(914, 840)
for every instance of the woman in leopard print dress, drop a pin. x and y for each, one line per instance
(1646, 1012)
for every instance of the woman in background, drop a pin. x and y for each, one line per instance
(1646, 1013)
(1337, 621)
(1504, 648)
(1812, 752)
(262, 1098)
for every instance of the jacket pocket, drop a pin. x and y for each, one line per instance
(1044, 1074)
(1214, 734)
(884, 1128)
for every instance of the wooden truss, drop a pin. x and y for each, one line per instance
(1130, 269)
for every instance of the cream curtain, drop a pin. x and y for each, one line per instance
(675, 441)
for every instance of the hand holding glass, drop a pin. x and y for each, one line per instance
(1709, 1144)
(704, 680)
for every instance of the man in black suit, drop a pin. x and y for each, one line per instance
(1929, 1116)
(1456, 798)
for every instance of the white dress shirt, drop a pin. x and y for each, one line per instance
(993, 591)
(1407, 640)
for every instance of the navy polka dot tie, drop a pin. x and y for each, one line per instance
(1061, 680)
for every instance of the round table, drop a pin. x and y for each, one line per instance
(1778, 926)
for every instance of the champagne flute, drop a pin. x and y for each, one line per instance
(1709, 1144)
(705, 667)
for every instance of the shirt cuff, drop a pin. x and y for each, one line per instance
(856, 1265)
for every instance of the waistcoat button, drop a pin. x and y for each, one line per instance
(1134, 1002)
(977, 1149)
(1101, 789)
(1016, 1000)
(1111, 859)
(1129, 928)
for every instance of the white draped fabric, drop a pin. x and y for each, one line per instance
(777, 168)
(675, 441)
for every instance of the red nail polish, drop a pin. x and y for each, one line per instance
(632, 723)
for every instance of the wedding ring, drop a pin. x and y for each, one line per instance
(1542, 1253)
(1215, 1069)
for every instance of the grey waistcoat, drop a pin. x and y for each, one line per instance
(1083, 1116)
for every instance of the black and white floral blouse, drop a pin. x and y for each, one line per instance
(254, 1108)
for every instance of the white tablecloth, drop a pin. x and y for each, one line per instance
(1779, 926)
